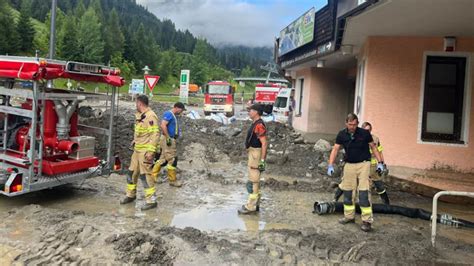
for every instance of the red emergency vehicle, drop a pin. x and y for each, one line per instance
(219, 98)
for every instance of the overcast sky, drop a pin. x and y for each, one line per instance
(236, 22)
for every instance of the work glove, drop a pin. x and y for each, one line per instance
(262, 165)
(149, 156)
(168, 141)
(330, 170)
(380, 168)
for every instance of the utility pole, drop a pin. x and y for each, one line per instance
(52, 38)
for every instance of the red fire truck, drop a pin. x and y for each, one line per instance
(219, 98)
(42, 143)
(266, 94)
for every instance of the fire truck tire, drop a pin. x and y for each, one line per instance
(207, 113)
(229, 114)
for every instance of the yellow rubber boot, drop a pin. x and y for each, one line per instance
(172, 177)
(156, 171)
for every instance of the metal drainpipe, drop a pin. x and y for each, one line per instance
(434, 216)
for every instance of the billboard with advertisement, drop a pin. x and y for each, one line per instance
(298, 33)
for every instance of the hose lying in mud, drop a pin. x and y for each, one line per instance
(322, 208)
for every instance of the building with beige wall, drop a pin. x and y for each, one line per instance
(413, 80)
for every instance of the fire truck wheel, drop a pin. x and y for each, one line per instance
(207, 113)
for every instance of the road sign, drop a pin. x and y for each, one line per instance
(184, 86)
(137, 86)
(151, 81)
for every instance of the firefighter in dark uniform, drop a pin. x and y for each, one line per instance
(356, 142)
(256, 144)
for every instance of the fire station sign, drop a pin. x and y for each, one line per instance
(184, 86)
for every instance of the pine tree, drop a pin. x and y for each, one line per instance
(68, 47)
(97, 6)
(25, 30)
(90, 44)
(114, 38)
(9, 39)
(80, 9)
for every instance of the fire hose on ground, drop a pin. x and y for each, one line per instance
(322, 208)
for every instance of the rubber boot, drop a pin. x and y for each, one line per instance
(366, 227)
(244, 210)
(385, 199)
(172, 178)
(149, 206)
(346, 221)
(127, 200)
(156, 171)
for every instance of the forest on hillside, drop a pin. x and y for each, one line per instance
(123, 34)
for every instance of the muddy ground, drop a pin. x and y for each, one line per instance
(83, 224)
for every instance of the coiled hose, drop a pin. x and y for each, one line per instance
(322, 208)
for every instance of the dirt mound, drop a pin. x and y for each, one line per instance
(288, 152)
(140, 248)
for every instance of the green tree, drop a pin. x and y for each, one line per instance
(97, 6)
(248, 72)
(143, 48)
(199, 71)
(68, 47)
(80, 9)
(127, 69)
(204, 52)
(114, 38)
(25, 30)
(90, 44)
(9, 39)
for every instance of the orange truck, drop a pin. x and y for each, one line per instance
(193, 88)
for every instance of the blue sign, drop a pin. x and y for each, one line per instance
(137, 86)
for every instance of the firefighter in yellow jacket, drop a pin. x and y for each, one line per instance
(146, 139)
(376, 177)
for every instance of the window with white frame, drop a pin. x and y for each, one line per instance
(443, 99)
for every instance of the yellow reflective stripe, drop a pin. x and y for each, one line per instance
(380, 193)
(366, 210)
(373, 161)
(253, 196)
(150, 191)
(349, 207)
(148, 129)
(131, 186)
(145, 147)
(170, 167)
(380, 148)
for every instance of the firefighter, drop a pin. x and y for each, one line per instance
(256, 144)
(356, 142)
(375, 176)
(145, 144)
(171, 132)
